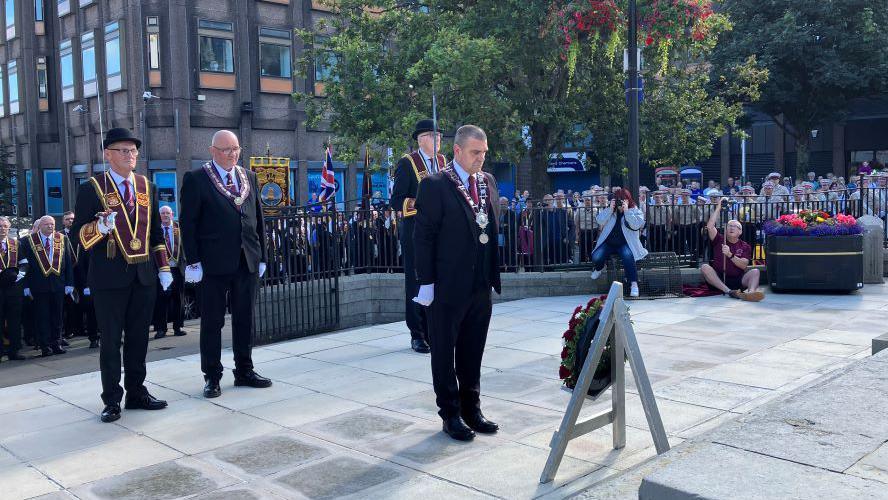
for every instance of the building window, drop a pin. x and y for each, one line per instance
(38, 11)
(153, 28)
(2, 96)
(216, 41)
(64, 7)
(12, 76)
(84, 3)
(66, 66)
(88, 59)
(325, 61)
(10, 19)
(52, 192)
(166, 190)
(113, 57)
(274, 53)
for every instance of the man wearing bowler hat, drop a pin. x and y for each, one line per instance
(411, 169)
(117, 224)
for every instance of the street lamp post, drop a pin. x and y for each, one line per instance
(633, 100)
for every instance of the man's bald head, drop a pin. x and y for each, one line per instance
(225, 149)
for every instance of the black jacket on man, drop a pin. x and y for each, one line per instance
(214, 232)
(47, 291)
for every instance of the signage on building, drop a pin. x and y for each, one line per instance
(567, 162)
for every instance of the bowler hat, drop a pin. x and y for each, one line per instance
(423, 126)
(120, 135)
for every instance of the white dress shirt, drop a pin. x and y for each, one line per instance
(222, 173)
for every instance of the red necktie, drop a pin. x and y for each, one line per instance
(46, 247)
(473, 188)
(229, 184)
(128, 195)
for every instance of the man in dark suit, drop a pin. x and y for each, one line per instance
(170, 303)
(411, 169)
(117, 226)
(72, 312)
(11, 291)
(87, 308)
(47, 280)
(224, 241)
(457, 264)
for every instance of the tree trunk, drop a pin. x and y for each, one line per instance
(803, 155)
(540, 184)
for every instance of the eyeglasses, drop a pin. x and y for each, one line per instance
(432, 134)
(228, 151)
(126, 151)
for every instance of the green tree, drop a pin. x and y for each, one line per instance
(510, 66)
(819, 54)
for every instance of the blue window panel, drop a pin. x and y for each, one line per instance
(314, 186)
(52, 192)
(166, 191)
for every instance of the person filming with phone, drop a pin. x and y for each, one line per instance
(620, 222)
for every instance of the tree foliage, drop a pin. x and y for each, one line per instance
(819, 55)
(515, 65)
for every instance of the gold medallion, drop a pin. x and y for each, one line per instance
(112, 199)
(135, 244)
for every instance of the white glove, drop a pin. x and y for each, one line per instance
(194, 273)
(86, 292)
(426, 295)
(69, 290)
(261, 269)
(21, 274)
(27, 292)
(166, 279)
(106, 224)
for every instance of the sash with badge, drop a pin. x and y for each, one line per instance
(480, 208)
(420, 169)
(48, 266)
(9, 263)
(236, 198)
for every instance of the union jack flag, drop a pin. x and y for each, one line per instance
(328, 180)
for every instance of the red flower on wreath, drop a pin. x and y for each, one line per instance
(564, 353)
(564, 372)
(568, 335)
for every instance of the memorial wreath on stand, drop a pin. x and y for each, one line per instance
(577, 340)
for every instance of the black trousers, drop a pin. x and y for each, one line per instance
(123, 316)
(457, 334)
(73, 314)
(169, 304)
(11, 317)
(88, 310)
(48, 317)
(241, 289)
(415, 314)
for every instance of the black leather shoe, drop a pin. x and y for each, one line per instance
(15, 356)
(93, 344)
(179, 333)
(111, 413)
(145, 402)
(420, 345)
(251, 379)
(160, 335)
(64, 343)
(45, 352)
(212, 389)
(58, 350)
(457, 429)
(480, 424)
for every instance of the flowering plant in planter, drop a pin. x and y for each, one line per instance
(813, 223)
(577, 341)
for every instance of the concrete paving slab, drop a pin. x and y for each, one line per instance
(709, 393)
(44, 417)
(307, 345)
(303, 409)
(206, 432)
(873, 466)
(267, 455)
(362, 425)
(22, 481)
(424, 486)
(354, 477)
(818, 347)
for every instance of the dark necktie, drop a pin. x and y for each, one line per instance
(229, 184)
(128, 197)
(166, 236)
(473, 188)
(47, 248)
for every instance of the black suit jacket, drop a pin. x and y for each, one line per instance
(103, 273)
(406, 184)
(214, 232)
(446, 238)
(34, 278)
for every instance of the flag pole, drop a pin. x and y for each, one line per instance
(435, 132)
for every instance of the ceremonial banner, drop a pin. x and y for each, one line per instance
(273, 178)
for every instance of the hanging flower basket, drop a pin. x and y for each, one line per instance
(577, 341)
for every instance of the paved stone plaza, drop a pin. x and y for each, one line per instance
(353, 413)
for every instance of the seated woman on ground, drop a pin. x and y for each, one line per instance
(620, 222)
(728, 271)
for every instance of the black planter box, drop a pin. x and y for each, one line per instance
(815, 262)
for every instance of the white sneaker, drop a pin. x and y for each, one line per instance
(596, 274)
(633, 290)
